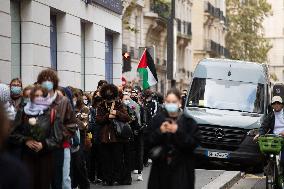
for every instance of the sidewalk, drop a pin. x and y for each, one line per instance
(224, 180)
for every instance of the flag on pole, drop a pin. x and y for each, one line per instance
(147, 70)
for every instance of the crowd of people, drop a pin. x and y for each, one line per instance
(67, 138)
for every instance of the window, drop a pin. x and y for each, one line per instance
(226, 95)
(15, 39)
(109, 58)
(53, 42)
(83, 54)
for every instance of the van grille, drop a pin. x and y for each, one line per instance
(221, 137)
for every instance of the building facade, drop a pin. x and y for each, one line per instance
(145, 25)
(80, 39)
(275, 33)
(209, 29)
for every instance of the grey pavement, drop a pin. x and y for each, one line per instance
(203, 177)
(251, 182)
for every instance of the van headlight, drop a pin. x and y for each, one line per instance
(252, 132)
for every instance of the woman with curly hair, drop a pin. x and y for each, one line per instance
(111, 146)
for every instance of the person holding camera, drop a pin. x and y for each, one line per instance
(172, 138)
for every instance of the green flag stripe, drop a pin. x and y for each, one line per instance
(144, 76)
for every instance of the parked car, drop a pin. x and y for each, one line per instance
(229, 99)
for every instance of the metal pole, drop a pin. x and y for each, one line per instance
(170, 44)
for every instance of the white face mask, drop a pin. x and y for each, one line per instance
(85, 102)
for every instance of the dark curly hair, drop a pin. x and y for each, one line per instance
(109, 92)
(48, 75)
(101, 83)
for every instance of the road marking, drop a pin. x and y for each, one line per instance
(251, 176)
(225, 180)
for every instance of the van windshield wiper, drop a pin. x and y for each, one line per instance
(195, 106)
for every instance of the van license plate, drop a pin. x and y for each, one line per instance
(221, 155)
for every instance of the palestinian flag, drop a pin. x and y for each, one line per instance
(147, 70)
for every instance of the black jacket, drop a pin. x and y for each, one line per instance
(174, 167)
(50, 136)
(14, 174)
(267, 125)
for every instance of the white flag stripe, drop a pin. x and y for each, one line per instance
(151, 79)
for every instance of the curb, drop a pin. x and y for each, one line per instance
(224, 181)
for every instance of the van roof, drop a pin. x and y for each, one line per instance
(234, 70)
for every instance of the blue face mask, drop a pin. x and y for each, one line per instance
(47, 85)
(171, 107)
(26, 100)
(16, 90)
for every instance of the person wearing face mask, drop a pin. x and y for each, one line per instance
(136, 145)
(40, 133)
(16, 93)
(95, 168)
(111, 145)
(172, 138)
(79, 176)
(87, 100)
(149, 110)
(62, 157)
(26, 95)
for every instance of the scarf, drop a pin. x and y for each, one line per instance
(38, 106)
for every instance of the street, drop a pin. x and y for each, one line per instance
(203, 178)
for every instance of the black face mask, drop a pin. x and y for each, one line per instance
(135, 99)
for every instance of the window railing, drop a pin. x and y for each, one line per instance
(184, 27)
(216, 48)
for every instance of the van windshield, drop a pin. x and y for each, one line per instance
(227, 95)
